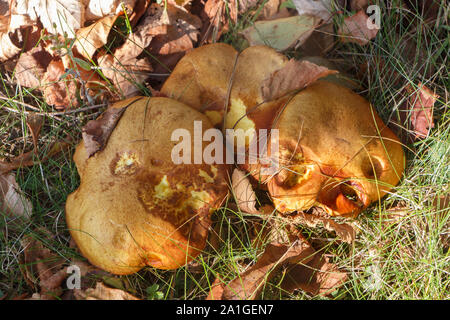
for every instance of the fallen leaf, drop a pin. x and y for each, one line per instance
(58, 92)
(178, 33)
(58, 17)
(102, 292)
(97, 9)
(13, 28)
(295, 75)
(281, 34)
(420, 104)
(243, 191)
(124, 68)
(138, 11)
(245, 5)
(344, 231)
(95, 36)
(216, 291)
(126, 74)
(249, 284)
(96, 132)
(358, 28)
(31, 67)
(34, 124)
(13, 202)
(318, 8)
(317, 277)
(272, 10)
(43, 267)
(215, 16)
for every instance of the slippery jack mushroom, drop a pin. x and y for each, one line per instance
(334, 151)
(135, 207)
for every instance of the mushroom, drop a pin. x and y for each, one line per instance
(136, 207)
(334, 150)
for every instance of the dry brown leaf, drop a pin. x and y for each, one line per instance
(95, 36)
(358, 28)
(102, 292)
(124, 68)
(243, 191)
(138, 11)
(245, 5)
(295, 75)
(176, 32)
(217, 288)
(215, 17)
(420, 104)
(43, 267)
(13, 202)
(250, 283)
(31, 67)
(96, 132)
(344, 231)
(34, 124)
(58, 92)
(317, 277)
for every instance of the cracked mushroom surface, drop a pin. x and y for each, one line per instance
(135, 207)
(335, 152)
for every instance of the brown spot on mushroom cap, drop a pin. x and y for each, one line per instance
(134, 206)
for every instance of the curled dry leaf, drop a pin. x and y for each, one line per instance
(31, 67)
(13, 202)
(243, 191)
(358, 28)
(95, 36)
(34, 124)
(295, 75)
(281, 34)
(102, 292)
(96, 132)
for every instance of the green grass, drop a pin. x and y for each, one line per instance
(397, 254)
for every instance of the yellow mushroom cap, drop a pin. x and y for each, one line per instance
(135, 207)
